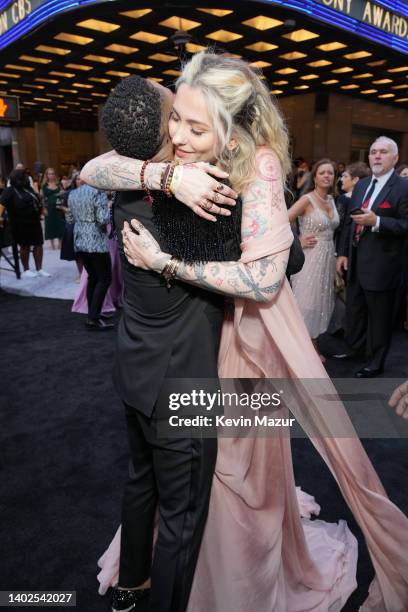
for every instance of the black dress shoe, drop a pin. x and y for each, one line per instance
(98, 325)
(368, 372)
(125, 601)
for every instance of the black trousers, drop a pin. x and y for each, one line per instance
(369, 321)
(99, 269)
(175, 477)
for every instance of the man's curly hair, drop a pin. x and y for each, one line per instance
(131, 118)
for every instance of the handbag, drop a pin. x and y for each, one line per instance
(296, 256)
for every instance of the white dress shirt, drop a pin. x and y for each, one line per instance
(381, 180)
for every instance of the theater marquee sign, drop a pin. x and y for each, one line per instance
(382, 21)
(371, 13)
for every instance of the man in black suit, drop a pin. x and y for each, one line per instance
(370, 251)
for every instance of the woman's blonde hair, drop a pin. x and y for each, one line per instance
(44, 180)
(242, 108)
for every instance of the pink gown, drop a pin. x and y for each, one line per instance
(257, 553)
(113, 299)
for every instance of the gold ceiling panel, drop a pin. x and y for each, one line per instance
(309, 77)
(262, 23)
(179, 23)
(224, 36)
(276, 92)
(61, 106)
(82, 85)
(343, 70)
(369, 91)
(75, 91)
(352, 86)
(382, 81)
(280, 82)
(215, 12)
(401, 100)
(98, 25)
(330, 82)
(293, 55)
(15, 67)
(118, 73)
(172, 72)
(399, 69)
(399, 86)
(54, 50)
(157, 79)
(333, 46)
(300, 35)
(73, 38)
(148, 37)
(103, 59)
(137, 66)
(193, 48)
(363, 75)
(79, 67)
(42, 99)
(98, 80)
(34, 86)
(10, 75)
(377, 63)
(99, 95)
(163, 57)
(319, 63)
(121, 49)
(387, 95)
(36, 60)
(261, 64)
(53, 95)
(52, 81)
(261, 47)
(302, 87)
(357, 55)
(286, 71)
(137, 13)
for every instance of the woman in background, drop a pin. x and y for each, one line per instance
(54, 216)
(317, 215)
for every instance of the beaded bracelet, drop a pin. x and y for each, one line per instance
(148, 197)
(176, 180)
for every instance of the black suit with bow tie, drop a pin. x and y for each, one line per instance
(375, 262)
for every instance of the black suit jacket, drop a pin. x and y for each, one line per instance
(379, 258)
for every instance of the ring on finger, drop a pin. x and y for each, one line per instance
(220, 187)
(216, 197)
(207, 205)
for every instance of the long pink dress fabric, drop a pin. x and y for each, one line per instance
(257, 554)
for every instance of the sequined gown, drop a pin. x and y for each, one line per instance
(313, 286)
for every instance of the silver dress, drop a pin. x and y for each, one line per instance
(313, 286)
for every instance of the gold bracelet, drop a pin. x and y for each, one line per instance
(176, 179)
(170, 270)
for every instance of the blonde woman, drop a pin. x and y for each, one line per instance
(256, 553)
(51, 194)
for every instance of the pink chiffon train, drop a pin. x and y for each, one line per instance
(257, 553)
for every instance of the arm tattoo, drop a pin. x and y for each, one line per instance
(112, 171)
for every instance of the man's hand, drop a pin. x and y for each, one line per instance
(341, 265)
(367, 218)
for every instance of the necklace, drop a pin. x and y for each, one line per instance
(325, 200)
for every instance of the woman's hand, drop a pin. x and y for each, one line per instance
(399, 400)
(204, 194)
(308, 242)
(141, 249)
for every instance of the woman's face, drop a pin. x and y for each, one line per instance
(324, 176)
(190, 127)
(51, 176)
(404, 173)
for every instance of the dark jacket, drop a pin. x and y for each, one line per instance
(378, 257)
